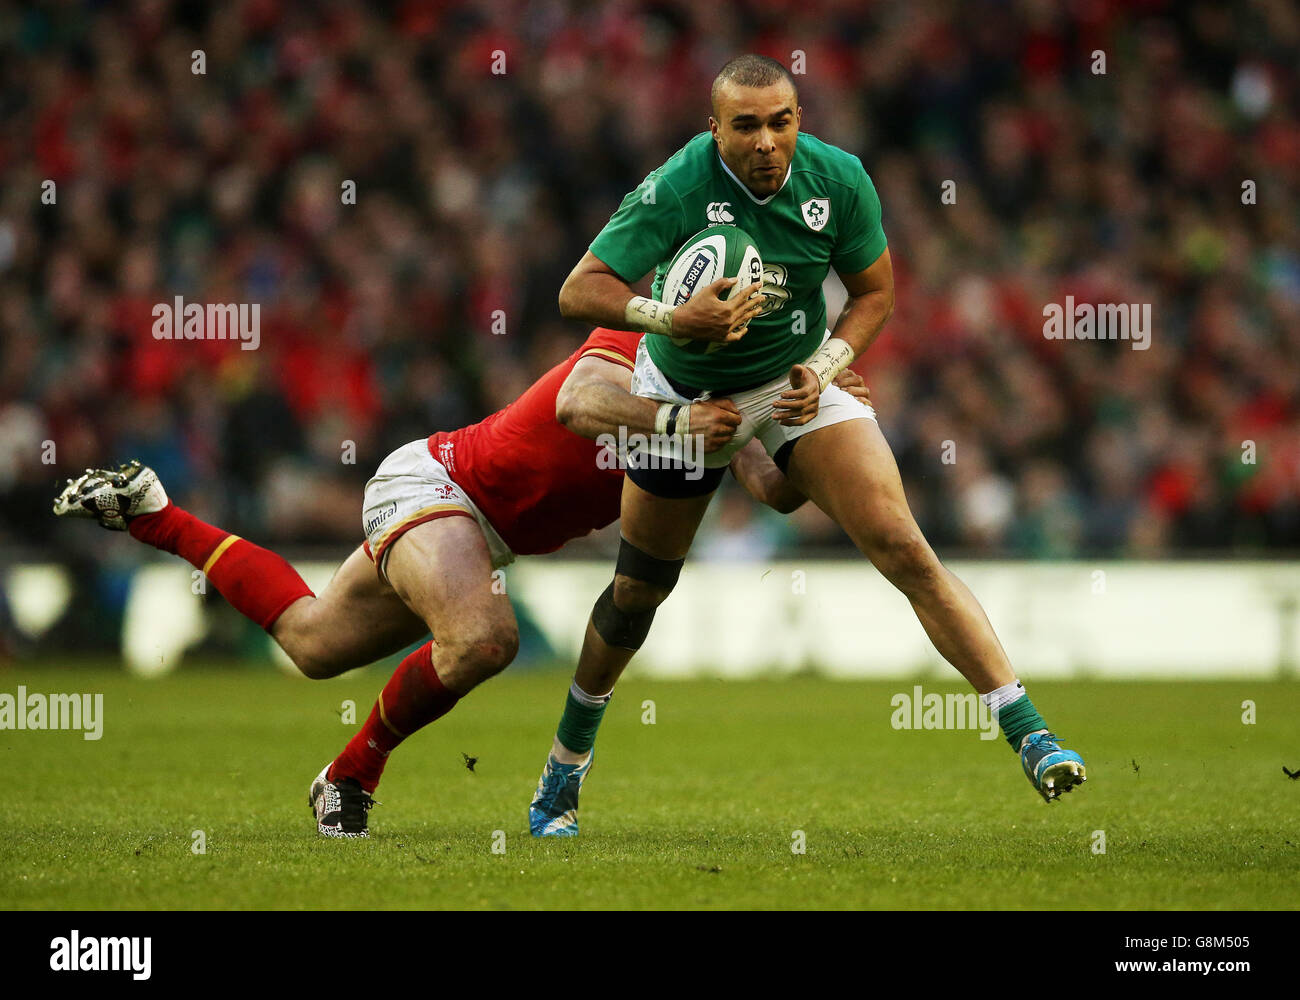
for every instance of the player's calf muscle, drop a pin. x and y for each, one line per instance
(355, 620)
(293, 632)
(322, 645)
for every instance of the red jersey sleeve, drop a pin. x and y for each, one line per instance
(618, 346)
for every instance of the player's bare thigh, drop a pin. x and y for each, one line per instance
(442, 570)
(849, 471)
(661, 526)
(357, 619)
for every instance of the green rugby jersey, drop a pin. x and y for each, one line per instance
(827, 214)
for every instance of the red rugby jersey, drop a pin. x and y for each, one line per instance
(537, 482)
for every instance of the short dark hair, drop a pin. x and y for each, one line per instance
(751, 70)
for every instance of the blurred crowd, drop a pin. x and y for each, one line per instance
(489, 141)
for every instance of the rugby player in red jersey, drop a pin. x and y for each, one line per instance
(440, 515)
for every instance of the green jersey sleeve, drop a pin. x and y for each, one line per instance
(646, 230)
(861, 240)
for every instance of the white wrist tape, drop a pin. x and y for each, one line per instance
(648, 316)
(831, 358)
(673, 419)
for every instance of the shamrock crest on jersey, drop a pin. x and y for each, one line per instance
(815, 212)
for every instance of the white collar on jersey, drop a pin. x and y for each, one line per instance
(744, 187)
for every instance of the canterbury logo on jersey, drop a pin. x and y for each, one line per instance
(717, 213)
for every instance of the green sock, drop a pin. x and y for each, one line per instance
(1018, 720)
(581, 719)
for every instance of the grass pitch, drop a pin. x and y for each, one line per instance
(699, 810)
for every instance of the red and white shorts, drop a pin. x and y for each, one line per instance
(411, 487)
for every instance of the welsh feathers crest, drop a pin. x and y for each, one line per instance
(816, 211)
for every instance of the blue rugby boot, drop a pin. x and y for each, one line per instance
(1050, 768)
(554, 809)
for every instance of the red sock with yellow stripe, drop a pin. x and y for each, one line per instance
(258, 583)
(413, 697)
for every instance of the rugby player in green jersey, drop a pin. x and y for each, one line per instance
(809, 207)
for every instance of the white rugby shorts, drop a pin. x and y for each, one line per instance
(755, 406)
(411, 487)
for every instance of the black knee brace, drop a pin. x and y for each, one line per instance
(638, 565)
(628, 629)
(624, 629)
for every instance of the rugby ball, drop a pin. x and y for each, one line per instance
(716, 252)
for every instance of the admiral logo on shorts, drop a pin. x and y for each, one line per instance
(381, 517)
(652, 452)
